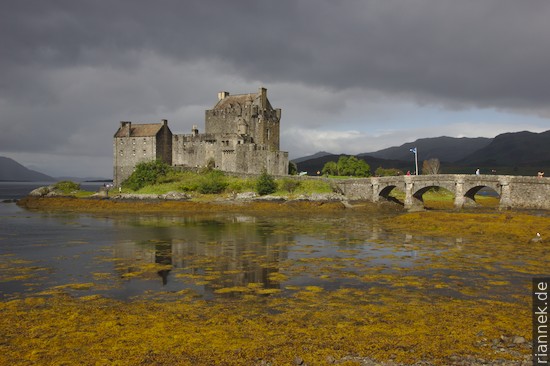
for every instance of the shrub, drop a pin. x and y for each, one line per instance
(330, 168)
(292, 168)
(265, 184)
(289, 185)
(213, 182)
(170, 177)
(382, 172)
(146, 173)
(236, 185)
(67, 186)
(188, 186)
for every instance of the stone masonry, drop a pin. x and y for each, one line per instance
(514, 191)
(242, 134)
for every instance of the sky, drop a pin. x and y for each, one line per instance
(351, 76)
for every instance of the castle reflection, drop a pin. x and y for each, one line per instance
(227, 251)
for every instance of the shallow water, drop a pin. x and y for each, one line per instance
(17, 190)
(226, 255)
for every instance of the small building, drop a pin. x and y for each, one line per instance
(242, 135)
(136, 143)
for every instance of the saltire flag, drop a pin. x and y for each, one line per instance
(413, 150)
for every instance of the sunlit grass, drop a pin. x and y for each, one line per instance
(191, 181)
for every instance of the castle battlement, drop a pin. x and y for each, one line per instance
(242, 135)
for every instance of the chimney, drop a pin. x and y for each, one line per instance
(164, 122)
(222, 95)
(263, 97)
(195, 130)
(124, 124)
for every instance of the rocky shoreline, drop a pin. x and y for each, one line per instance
(51, 191)
(170, 204)
(50, 198)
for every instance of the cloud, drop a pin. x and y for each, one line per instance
(73, 69)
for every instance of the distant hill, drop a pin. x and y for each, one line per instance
(517, 153)
(320, 154)
(85, 179)
(446, 149)
(312, 166)
(513, 150)
(10, 170)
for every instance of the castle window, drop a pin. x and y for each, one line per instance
(144, 152)
(268, 134)
(134, 141)
(121, 153)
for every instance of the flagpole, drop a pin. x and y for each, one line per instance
(415, 151)
(416, 159)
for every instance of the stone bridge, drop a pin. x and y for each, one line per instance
(514, 191)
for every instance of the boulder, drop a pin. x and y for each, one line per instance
(40, 191)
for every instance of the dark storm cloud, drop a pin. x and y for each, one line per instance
(68, 65)
(492, 52)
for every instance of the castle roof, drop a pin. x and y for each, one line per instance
(240, 99)
(139, 130)
(226, 100)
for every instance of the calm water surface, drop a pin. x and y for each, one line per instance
(212, 255)
(17, 190)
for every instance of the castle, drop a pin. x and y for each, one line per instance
(241, 135)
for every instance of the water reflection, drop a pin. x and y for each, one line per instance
(227, 255)
(233, 251)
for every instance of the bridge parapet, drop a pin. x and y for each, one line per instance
(514, 191)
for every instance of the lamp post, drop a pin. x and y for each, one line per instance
(413, 150)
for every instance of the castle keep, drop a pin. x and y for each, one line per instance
(241, 135)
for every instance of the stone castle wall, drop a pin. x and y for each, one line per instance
(128, 150)
(242, 134)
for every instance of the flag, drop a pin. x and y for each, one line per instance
(413, 150)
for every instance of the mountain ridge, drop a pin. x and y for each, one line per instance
(515, 153)
(11, 170)
(444, 148)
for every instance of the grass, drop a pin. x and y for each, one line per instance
(191, 182)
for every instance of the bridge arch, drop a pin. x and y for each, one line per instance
(470, 194)
(417, 194)
(386, 191)
(514, 192)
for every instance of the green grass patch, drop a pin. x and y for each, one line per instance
(216, 182)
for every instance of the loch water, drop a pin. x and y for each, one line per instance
(127, 256)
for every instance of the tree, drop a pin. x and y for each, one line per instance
(292, 168)
(146, 173)
(383, 172)
(351, 166)
(330, 168)
(431, 166)
(265, 184)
